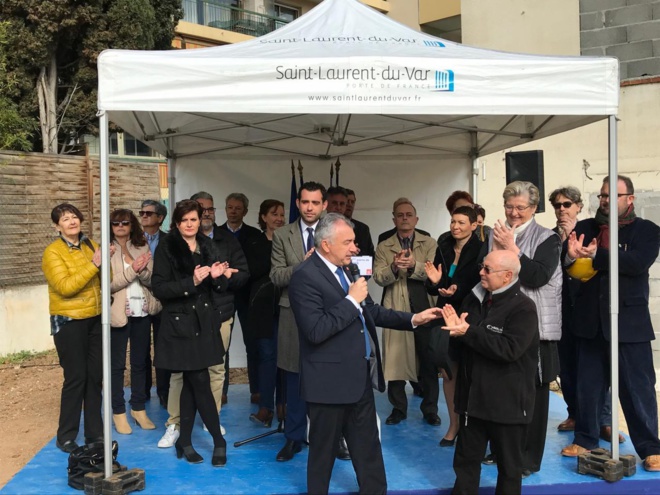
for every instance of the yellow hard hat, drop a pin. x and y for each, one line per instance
(582, 269)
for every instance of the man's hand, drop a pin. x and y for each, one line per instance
(404, 260)
(359, 290)
(456, 325)
(309, 253)
(425, 316)
(432, 273)
(575, 248)
(218, 269)
(590, 250)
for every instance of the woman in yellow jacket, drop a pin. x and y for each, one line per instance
(71, 266)
(132, 303)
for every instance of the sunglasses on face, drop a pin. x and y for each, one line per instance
(565, 204)
(487, 269)
(143, 213)
(125, 223)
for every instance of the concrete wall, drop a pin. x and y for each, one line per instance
(522, 26)
(626, 29)
(24, 321)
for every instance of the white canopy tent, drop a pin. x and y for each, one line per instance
(343, 81)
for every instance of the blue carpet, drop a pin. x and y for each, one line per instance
(414, 462)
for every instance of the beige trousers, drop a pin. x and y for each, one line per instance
(217, 374)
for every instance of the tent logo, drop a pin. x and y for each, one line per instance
(444, 80)
(436, 44)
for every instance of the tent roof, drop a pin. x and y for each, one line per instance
(345, 79)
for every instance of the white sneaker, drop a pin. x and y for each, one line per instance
(222, 429)
(169, 438)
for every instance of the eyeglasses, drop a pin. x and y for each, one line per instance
(519, 209)
(607, 196)
(488, 270)
(143, 213)
(125, 223)
(208, 210)
(565, 204)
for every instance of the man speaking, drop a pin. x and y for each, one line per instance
(339, 356)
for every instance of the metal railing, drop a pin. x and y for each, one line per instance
(219, 14)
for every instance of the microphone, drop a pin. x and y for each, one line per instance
(355, 275)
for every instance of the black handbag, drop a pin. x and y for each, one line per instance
(89, 459)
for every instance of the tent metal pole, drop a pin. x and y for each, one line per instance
(105, 291)
(171, 182)
(614, 282)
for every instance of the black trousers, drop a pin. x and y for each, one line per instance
(138, 331)
(162, 375)
(357, 422)
(535, 432)
(79, 348)
(196, 396)
(505, 442)
(636, 393)
(428, 379)
(251, 345)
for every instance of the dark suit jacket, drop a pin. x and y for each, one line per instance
(391, 232)
(332, 348)
(248, 237)
(638, 249)
(363, 238)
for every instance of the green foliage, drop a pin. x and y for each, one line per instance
(74, 32)
(20, 357)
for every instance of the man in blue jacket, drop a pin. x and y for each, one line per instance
(639, 242)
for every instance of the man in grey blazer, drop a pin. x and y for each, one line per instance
(292, 244)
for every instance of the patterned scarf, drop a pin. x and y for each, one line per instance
(603, 223)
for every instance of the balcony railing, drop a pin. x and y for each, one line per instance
(223, 16)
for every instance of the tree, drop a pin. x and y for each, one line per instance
(52, 49)
(15, 130)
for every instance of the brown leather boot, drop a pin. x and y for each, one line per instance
(143, 420)
(264, 417)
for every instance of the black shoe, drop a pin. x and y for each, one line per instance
(433, 419)
(66, 447)
(287, 452)
(417, 389)
(219, 458)
(445, 442)
(94, 442)
(189, 453)
(395, 418)
(343, 454)
(490, 459)
(163, 398)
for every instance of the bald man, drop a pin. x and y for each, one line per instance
(495, 386)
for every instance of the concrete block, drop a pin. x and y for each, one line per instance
(592, 20)
(603, 37)
(647, 67)
(637, 2)
(623, 75)
(593, 52)
(631, 51)
(654, 290)
(644, 31)
(628, 15)
(656, 48)
(656, 10)
(596, 5)
(654, 272)
(652, 212)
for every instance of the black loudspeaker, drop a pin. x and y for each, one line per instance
(527, 166)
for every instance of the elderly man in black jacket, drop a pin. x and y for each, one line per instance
(495, 389)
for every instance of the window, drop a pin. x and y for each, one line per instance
(133, 147)
(286, 13)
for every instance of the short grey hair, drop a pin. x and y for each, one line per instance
(160, 208)
(201, 195)
(570, 192)
(240, 197)
(327, 226)
(521, 187)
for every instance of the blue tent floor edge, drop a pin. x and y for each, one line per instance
(414, 462)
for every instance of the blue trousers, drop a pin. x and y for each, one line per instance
(636, 393)
(295, 423)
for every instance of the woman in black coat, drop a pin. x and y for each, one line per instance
(456, 274)
(188, 279)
